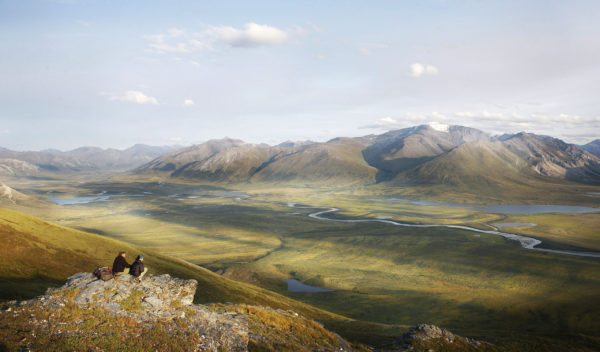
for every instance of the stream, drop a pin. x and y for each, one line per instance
(526, 242)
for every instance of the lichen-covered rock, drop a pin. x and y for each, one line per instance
(425, 332)
(164, 289)
(154, 314)
(155, 299)
(426, 335)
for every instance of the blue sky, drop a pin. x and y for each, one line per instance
(115, 73)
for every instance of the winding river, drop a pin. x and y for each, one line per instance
(526, 242)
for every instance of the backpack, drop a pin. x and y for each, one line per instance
(104, 273)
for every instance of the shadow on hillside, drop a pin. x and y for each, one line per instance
(26, 288)
(387, 169)
(585, 174)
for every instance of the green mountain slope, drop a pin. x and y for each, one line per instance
(401, 150)
(338, 161)
(482, 170)
(224, 160)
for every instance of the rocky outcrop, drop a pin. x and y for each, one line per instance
(153, 314)
(158, 295)
(156, 303)
(428, 337)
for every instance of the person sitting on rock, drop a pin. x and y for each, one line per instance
(120, 265)
(137, 268)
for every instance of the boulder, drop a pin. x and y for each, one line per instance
(154, 299)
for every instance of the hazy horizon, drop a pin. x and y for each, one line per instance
(439, 127)
(113, 74)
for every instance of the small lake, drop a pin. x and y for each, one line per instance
(515, 224)
(78, 200)
(509, 208)
(296, 286)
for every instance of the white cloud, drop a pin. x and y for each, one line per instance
(483, 115)
(410, 119)
(188, 102)
(320, 57)
(314, 27)
(252, 35)
(442, 127)
(418, 69)
(175, 32)
(163, 43)
(364, 51)
(384, 123)
(201, 44)
(135, 96)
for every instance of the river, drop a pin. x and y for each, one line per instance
(526, 242)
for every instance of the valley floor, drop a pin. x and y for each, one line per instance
(475, 284)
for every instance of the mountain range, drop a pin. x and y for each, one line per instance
(418, 155)
(34, 163)
(422, 155)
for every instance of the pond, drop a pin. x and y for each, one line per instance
(78, 200)
(296, 286)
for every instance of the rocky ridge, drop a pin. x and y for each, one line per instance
(156, 313)
(428, 336)
(154, 303)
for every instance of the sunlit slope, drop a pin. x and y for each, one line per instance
(13, 198)
(35, 254)
(224, 160)
(472, 164)
(227, 160)
(483, 170)
(338, 161)
(401, 150)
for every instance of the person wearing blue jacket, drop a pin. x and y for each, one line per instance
(137, 268)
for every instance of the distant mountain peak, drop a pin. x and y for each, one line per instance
(289, 143)
(593, 147)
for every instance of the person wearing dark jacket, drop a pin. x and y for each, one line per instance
(137, 268)
(120, 265)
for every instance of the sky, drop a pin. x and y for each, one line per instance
(115, 73)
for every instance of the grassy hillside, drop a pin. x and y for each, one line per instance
(401, 150)
(35, 254)
(338, 162)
